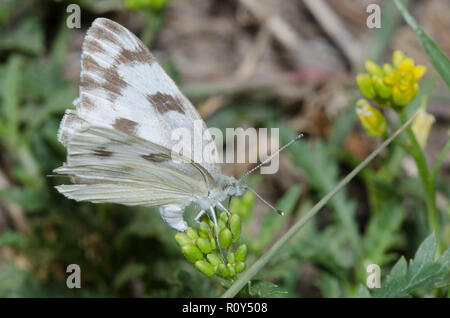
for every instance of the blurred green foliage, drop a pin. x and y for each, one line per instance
(125, 252)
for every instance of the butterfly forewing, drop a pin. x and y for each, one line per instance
(124, 87)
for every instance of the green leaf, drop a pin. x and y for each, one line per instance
(264, 289)
(28, 198)
(273, 222)
(13, 238)
(439, 60)
(129, 272)
(330, 286)
(363, 292)
(382, 232)
(400, 268)
(27, 37)
(423, 272)
(11, 92)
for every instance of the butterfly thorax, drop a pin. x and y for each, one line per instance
(226, 186)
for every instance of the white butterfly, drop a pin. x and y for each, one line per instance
(119, 137)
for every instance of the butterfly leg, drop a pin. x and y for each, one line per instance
(228, 212)
(213, 215)
(223, 208)
(197, 220)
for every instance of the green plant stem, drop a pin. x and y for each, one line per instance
(427, 183)
(256, 267)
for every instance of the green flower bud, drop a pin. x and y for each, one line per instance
(383, 90)
(192, 233)
(387, 69)
(222, 270)
(239, 267)
(204, 245)
(225, 238)
(231, 258)
(231, 269)
(203, 230)
(224, 217)
(212, 241)
(214, 259)
(365, 85)
(235, 226)
(205, 267)
(182, 239)
(243, 205)
(192, 253)
(221, 224)
(241, 253)
(373, 68)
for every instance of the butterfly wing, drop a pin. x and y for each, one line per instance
(123, 87)
(109, 166)
(119, 136)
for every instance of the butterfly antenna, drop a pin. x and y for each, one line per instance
(268, 159)
(267, 203)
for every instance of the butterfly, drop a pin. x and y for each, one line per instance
(118, 138)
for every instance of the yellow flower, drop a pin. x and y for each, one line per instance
(371, 119)
(403, 79)
(421, 126)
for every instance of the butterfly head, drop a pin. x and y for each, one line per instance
(235, 187)
(230, 186)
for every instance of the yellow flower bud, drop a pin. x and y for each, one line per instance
(371, 119)
(205, 267)
(419, 70)
(397, 58)
(373, 69)
(403, 97)
(421, 126)
(365, 85)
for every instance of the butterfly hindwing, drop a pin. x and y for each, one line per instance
(100, 157)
